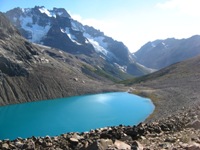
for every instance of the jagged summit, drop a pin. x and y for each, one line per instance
(53, 13)
(56, 28)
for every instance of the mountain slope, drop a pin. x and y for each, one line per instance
(30, 72)
(172, 89)
(162, 53)
(56, 28)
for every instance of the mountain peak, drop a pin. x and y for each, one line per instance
(56, 28)
(52, 13)
(162, 53)
(61, 12)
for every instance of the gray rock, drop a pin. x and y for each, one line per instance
(19, 144)
(126, 138)
(31, 144)
(73, 140)
(102, 144)
(75, 79)
(195, 124)
(137, 146)
(121, 145)
(193, 146)
(5, 146)
(76, 136)
(170, 140)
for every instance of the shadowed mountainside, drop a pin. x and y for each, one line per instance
(31, 72)
(162, 53)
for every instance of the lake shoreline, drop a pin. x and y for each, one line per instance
(164, 128)
(130, 137)
(57, 116)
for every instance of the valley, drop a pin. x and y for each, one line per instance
(71, 59)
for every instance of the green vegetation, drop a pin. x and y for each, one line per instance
(106, 72)
(102, 73)
(148, 77)
(132, 81)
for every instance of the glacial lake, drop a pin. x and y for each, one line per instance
(73, 114)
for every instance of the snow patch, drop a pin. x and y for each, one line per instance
(134, 55)
(122, 68)
(163, 43)
(62, 30)
(97, 43)
(23, 10)
(45, 11)
(150, 69)
(15, 19)
(153, 45)
(48, 13)
(77, 26)
(131, 57)
(36, 32)
(60, 13)
(71, 36)
(39, 32)
(74, 26)
(86, 41)
(102, 57)
(97, 47)
(98, 39)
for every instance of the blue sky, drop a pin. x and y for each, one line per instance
(134, 22)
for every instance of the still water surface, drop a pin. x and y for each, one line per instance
(74, 114)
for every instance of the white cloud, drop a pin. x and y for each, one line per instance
(185, 7)
(136, 28)
(98, 24)
(76, 17)
(111, 26)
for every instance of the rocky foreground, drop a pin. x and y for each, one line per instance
(179, 131)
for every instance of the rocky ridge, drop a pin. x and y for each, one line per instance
(162, 53)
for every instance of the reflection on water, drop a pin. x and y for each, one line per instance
(103, 98)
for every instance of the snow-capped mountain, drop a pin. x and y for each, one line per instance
(56, 28)
(162, 53)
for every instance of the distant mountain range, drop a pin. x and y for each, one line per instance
(57, 29)
(162, 53)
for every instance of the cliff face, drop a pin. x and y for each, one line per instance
(31, 72)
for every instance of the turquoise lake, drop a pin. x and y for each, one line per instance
(73, 114)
